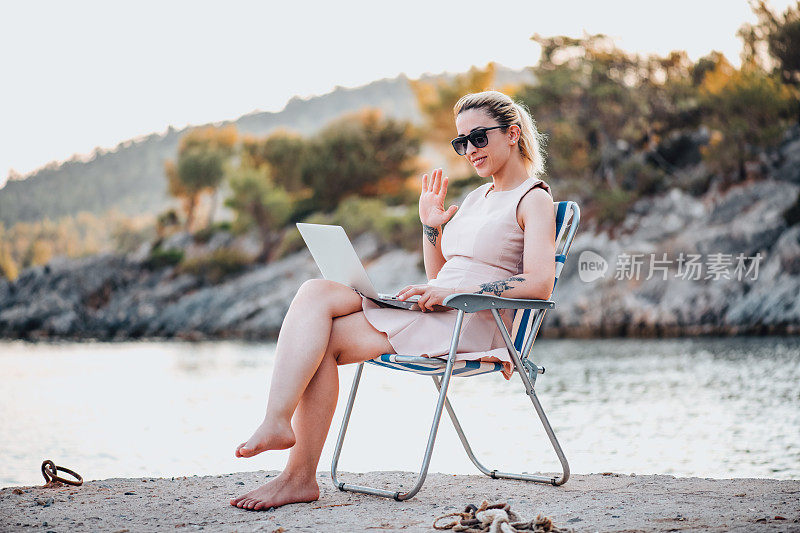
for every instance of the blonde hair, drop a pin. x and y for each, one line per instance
(507, 112)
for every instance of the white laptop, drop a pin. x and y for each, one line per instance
(338, 261)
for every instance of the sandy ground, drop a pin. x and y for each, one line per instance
(595, 502)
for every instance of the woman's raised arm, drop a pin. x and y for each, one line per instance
(433, 216)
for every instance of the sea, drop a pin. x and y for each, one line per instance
(690, 407)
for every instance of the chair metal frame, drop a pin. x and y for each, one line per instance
(526, 368)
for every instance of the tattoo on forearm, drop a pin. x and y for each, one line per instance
(431, 233)
(497, 287)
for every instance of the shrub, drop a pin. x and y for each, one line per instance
(160, 258)
(292, 241)
(359, 215)
(401, 227)
(167, 223)
(204, 235)
(216, 265)
(641, 177)
(612, 205)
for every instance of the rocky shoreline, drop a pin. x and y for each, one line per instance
(119, 297)
(746, 221)
(112, 297)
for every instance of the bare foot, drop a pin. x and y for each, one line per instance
(279, 491)
(270, 435)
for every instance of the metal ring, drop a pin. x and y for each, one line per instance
(50, 473)
(45, 473)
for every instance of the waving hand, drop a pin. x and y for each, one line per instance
(431, 200)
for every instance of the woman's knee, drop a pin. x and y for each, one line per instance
(337, 297)
(314, 286)
(313, 290)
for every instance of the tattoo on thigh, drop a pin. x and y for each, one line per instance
(497, 287)
(431, 233)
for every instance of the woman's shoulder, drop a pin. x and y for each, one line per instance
(536, 188)
(537, 192)
(535, 202)
(539, 183)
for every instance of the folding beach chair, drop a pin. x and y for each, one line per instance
(524, 332)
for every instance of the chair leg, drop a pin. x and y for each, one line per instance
(431, 437)
(539, 411)
(506, 475)
(550, 434)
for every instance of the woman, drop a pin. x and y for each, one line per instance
(329, 324)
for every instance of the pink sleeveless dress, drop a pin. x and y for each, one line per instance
(481, 243)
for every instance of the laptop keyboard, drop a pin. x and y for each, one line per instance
(413, 298)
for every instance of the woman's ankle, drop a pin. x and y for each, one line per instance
(277, 420)
(298, 476)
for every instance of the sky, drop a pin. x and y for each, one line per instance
(78, 75)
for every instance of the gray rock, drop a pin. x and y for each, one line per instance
(177, 241)
(747, 219)
(111, 297)
(394, 270)
(44, 502)
(142, 253)
(249, 244)
(788, 167)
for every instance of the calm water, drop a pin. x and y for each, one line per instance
(707, 408)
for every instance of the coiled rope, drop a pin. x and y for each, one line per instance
(496, 518)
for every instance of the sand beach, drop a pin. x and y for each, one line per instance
(594, 502)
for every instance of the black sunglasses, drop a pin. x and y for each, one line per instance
(477, 137)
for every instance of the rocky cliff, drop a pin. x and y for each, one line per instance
(110, 297)
(727, 262)
(722, 264)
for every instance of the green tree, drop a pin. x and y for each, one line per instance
(749, 109)
(200, 166)
(779, 36)
(361, 153)
(592, 98)
(260, 203)
(283, 152)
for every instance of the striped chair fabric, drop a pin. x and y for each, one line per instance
(521, 326)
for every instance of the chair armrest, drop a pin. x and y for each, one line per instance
(470, 302)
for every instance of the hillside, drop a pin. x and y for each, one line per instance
(123, 297)
(130, 177)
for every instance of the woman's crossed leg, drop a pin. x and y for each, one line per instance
(324, 327)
